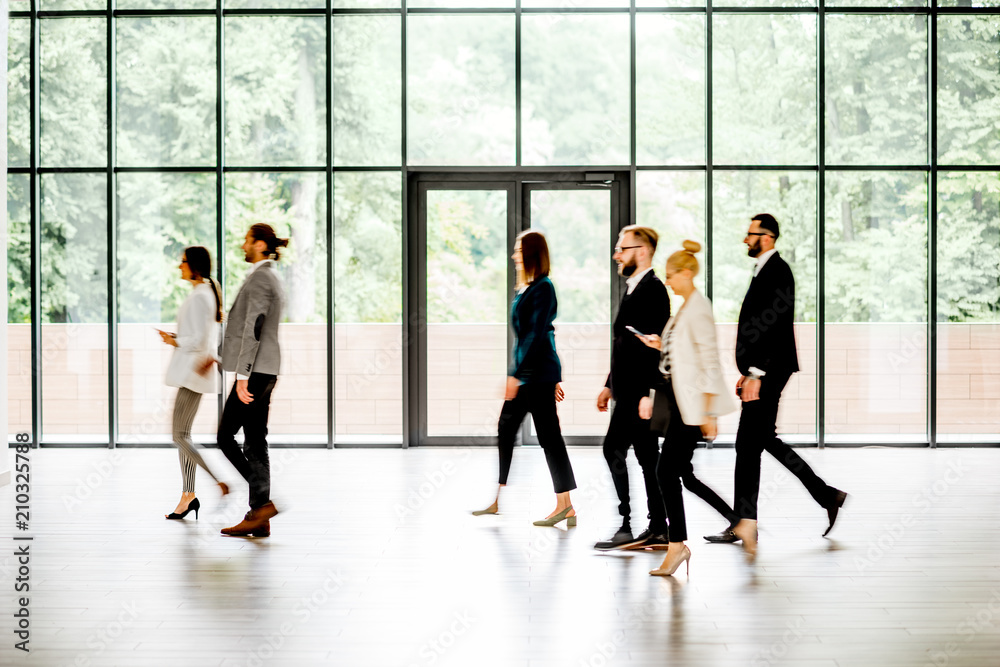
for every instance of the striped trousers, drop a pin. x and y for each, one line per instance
(185, 408)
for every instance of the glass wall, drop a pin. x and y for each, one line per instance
(874, 146)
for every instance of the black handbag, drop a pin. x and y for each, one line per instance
(660, 419)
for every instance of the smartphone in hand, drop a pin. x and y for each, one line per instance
(635, 331)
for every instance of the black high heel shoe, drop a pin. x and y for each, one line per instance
(193, 505)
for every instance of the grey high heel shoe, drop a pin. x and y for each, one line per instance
(570, 520)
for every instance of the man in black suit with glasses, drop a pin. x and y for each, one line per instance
(634, 369)
(766, 358)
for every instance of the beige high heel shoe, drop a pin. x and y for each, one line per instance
(666, 569)
(492, 509)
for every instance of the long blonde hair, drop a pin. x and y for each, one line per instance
(685, 259)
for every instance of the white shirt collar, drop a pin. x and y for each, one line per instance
(253, 267)
(634, 279)
(762, 260)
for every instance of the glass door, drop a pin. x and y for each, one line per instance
(465, 292)
(578, 222)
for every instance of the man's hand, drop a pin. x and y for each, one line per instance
(602, 400)
(560, 394)
(242, 393)
(513, 384)
(751, 390)
(645, 408)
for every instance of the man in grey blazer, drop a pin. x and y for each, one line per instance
(250, 349)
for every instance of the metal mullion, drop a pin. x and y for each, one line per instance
(847, 167)
(164, 170)
(632, 115)
(932, 236)
(20, 14)
(647, 167)
(365, 169)
(411, 267)
(970, 167)
(315, 11)
(764, 10)
(461, 10)
(575, 10)
(72, 170)
(877, 10)
(220, 182)
(358, 11)
(330, 277)
(112, 229)
(709, 181)
(26, 171)
(153, 13)
(34, 178)
(72, 14)
(763, 167)
(820, 410)
(670, 10)
(517, 83)
(272, 169)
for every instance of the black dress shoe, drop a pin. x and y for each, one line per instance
(623, 536)
(647, 539)
(833, 508)
(727, 536)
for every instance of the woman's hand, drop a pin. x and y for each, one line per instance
(651, 340)
(513, 384)
(646, 408)
(560, 394)
(168, 338)
(205, 366)
(710, 429)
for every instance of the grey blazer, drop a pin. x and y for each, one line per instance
(251, 341)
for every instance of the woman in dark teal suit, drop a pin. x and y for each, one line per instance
(534, 376)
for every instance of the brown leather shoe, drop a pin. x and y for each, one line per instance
(262, 531)
(265, 512)
(245, 527)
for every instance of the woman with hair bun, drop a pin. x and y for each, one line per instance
(694, 393)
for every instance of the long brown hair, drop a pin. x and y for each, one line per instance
(200, 265)
(534, 257)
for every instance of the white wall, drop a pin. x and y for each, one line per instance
(4, 449)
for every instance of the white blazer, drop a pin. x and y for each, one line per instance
(197, 338)
(694, 361)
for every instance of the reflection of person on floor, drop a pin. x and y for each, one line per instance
(692, 393)
(766, 358)
(250, 349)
(535, 373)
(195, 343)
(645, 308)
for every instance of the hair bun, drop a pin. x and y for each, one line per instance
(691, 246)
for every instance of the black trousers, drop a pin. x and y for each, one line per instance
(627, 429)
(252, 460)
(674, 467)
(540, 400)
(758, 433)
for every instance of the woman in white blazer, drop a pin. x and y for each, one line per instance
(195, 351)
(695, 394)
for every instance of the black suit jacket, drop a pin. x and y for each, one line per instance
(765, 338)
(531, 316)
(633, 365)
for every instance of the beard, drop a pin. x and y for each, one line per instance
(627, 269)
(753, 250)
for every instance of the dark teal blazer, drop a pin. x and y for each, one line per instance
(531, 315)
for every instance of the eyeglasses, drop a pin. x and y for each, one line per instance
(759, 234)
(620, 248)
